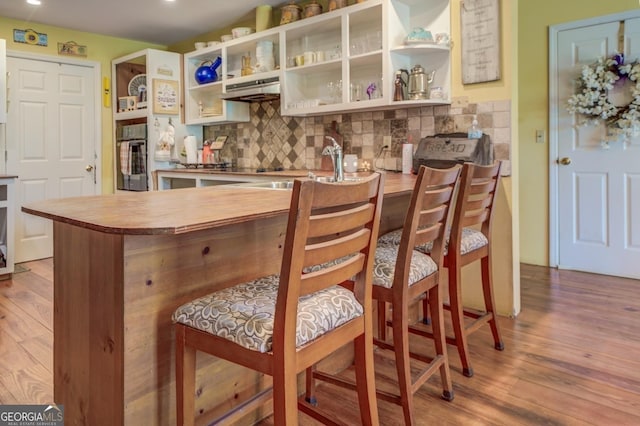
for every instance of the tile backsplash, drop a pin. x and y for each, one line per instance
(272, 141)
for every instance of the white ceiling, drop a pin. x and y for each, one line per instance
(154, 21)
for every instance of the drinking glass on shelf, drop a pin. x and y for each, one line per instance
(356, 91)
(335, 91)
(335, 52)
(331, 91)
(374, 40)
(358, 45)
(372, 90)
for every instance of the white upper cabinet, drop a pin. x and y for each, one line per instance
(203, 102)
(343, 60)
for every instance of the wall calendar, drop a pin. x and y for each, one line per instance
(480, 31)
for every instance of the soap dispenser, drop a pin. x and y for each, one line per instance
(474, 131)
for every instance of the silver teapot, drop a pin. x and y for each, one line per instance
(419, 83)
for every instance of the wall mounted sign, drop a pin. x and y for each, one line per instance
(480, 31)
(30, 36)
(165, 70)
(165, 97)
(72, 48)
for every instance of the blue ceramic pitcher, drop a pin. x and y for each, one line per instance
(206, 73)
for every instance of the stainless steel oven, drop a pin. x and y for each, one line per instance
(131, 158)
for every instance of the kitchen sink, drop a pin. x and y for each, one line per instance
(288, 184)
(284, 184)
(330, 179)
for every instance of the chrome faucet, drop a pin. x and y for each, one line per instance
(335, 151)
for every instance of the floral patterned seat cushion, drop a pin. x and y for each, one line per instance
(472, 239)
(385, 263)
(244, 314)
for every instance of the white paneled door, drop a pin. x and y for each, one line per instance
(51, 142)
(598, 187)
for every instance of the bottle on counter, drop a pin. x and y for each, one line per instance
(474, 131)
(206, 152)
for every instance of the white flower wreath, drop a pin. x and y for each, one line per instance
(592, 100)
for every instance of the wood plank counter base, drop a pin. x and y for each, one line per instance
(123, 263)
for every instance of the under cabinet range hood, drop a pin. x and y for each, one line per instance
(258, 90)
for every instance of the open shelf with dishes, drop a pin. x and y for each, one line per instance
(146, 89)
(368, 42)
(341, 60)
(205, 72)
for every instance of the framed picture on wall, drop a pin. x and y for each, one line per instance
(166, 97)
(480, 33)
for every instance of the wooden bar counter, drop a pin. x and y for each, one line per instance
(123, 263)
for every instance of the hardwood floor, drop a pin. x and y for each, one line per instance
(571, 356)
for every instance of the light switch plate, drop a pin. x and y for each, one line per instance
(540, 136)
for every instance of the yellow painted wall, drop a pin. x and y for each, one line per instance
(100, 49)
(534, 20)
(492, 91)
(506, 273)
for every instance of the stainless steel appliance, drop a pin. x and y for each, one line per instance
(131, 158)
(258, 90)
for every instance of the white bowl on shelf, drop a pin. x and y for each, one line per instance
(241, 31)
(226, 37)
(200, 45)
(212, 43)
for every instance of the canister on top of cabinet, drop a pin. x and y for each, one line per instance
(264, 17)
(290, 13)
(336, 4)
(312, 9)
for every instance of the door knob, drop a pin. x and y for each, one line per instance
(565, 161)
(89, 168)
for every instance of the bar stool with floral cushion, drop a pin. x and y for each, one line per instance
(279, 325)
(402, 275)
(469, 240)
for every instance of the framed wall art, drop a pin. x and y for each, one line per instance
(166, 97)
(72, 48)
(480, 33)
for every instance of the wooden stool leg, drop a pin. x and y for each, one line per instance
(185, 380)
(365, 380)
(435, 301)
(457, 318)
(426, 313)
(285, 394)
(382, 320)
(489, 301)
(400, 324)
(310, 392)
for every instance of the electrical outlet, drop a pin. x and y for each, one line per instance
(460, 102)
(540, 136)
